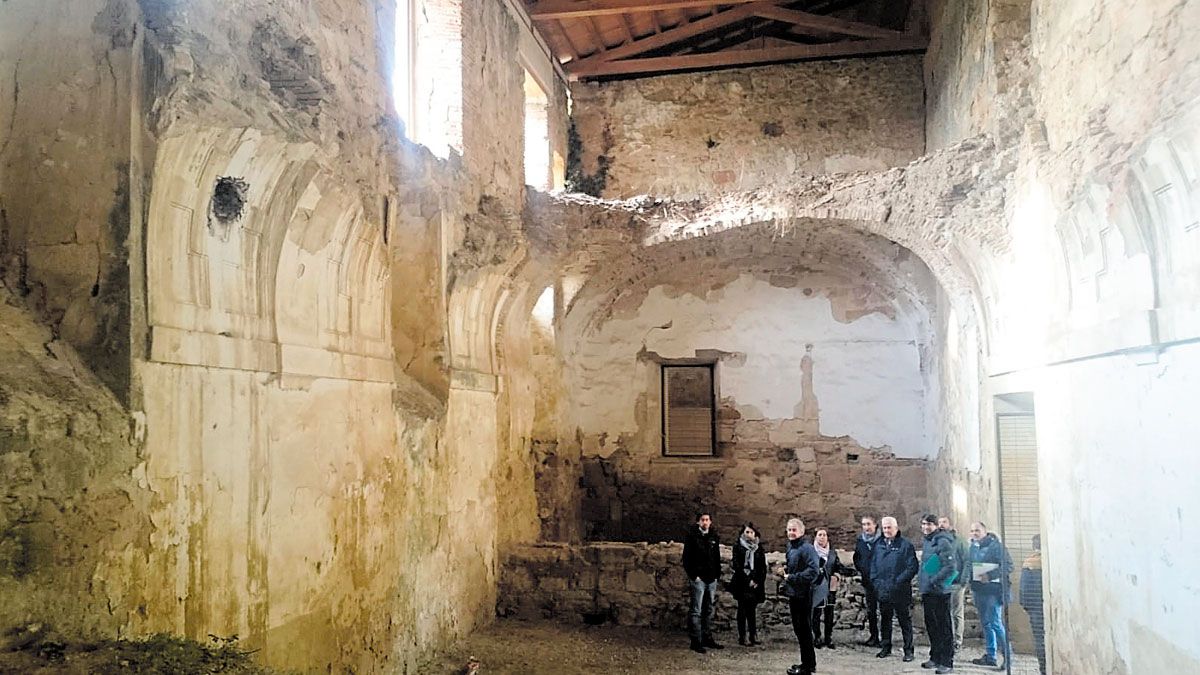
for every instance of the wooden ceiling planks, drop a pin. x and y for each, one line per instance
(622, 38)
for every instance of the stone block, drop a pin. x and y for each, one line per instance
(639, 581)
(552, 584)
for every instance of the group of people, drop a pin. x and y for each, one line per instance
(887, 564)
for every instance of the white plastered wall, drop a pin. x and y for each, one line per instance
(867, 377)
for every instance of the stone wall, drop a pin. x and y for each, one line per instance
(767, 473)
(65, 172)
(688, 135)
(287, 468)
(71, 492)
(822, 388)
(644, 585)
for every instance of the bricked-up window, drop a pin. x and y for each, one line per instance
(537, 134)
(688, 411)
(437, 82)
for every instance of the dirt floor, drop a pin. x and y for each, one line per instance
(43, 652)
(545, 648)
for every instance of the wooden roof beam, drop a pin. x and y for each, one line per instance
(594, 31)
(680, 32)
(626, 28)
(567, 9)
(826, 24)
(597, 68)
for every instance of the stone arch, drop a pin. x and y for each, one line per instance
(240, 293)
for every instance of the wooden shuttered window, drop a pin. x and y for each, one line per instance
(1017, 439)
(688, 411)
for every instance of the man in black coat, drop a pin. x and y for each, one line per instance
(864, 549)
(893, 566)
(702, 563)
(802, 573)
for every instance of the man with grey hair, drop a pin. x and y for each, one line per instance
(893, 566)
(802, 573)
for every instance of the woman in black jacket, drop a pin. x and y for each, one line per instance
(749, 578)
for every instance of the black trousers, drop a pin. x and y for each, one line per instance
(747, 610)
(938, 625)
(801, 609)
(903, 612)
(824, 611)
(872, 611)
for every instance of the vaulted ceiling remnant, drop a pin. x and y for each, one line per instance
(614, 38)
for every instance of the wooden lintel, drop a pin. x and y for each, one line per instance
(826, 24)
(596, 68)
(568, 9)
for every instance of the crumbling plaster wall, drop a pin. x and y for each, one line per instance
(1092, 311)
(821, 386)
(305, 476)
(65, 105)
(688, 135)
(70, 494)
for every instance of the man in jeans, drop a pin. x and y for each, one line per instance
(702, 563)
(939, 569)
(990, 570)
(958, 591)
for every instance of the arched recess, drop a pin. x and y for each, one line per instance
(237, 284)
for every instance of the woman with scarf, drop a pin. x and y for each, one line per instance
(749, 578)
(825, 590)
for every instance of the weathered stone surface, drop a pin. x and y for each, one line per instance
(658, 598)
(696, 134)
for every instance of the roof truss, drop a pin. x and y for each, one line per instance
(605, 38)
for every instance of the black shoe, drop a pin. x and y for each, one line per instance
(829, 644)
(754, 641)
(712, 644)
(984, 660)
(798, 669)
(742, 641)
(884, 653)
(929, 665)
(942, 670)
(697, 647)
(873, 642)
(818, 644)
(908, 656)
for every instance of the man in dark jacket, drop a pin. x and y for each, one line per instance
(939, 569)
(958, 591)
(802, 573)
(864, 549)
(893, 566)
(991, 567)
(702, 563)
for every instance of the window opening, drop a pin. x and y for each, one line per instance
(688, 411)
(537, 135)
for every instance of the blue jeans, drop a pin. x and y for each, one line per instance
(700, 616)
(991, 619)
